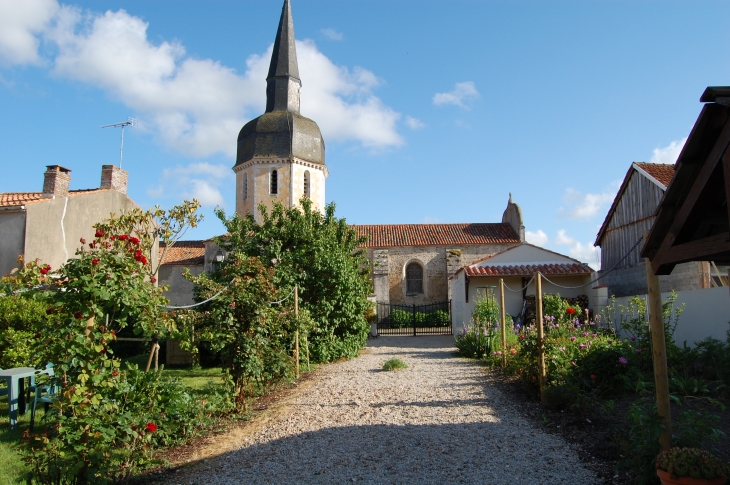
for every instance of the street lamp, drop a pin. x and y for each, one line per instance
(219, 256)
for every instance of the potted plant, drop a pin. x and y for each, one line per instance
(690, 466)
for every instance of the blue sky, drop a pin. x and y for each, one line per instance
(432, 111)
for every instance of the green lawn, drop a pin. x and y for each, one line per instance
(13, 470)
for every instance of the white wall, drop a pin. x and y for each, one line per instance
(706, 314)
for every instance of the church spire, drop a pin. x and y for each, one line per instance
(282, 83)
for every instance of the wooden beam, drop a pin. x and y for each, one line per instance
(659, 356)
(708, 248)
(503, 317)
(726, 172)
(542, 378)
(695, 191)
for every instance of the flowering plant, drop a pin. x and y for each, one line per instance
(691, 462)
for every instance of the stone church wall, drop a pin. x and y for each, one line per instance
(438, 262)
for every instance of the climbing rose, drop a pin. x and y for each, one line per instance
(153, 279)
(82, 240)
(122, 237)
(151, 427)
(133, 240)
(115, 373)
(79, 316)
(99, 233)
(95, 261)
(45, 269)
(142, 260)
(570, 311)
(137, 254)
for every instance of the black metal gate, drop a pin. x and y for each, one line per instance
(429, 319)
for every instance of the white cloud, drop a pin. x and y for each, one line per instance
(668, 154)
(197, 106)
(414, 123)
(461, 93)
(199, 180)
(20, 21)
(430, 220)
(586, 205)
(332, 34)
(585, 253)
(538, 238)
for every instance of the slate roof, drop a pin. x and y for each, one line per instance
(15, 199)
(661, 171)
(390, 235)
(528, 270)
(184, 253)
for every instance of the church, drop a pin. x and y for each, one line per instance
(281, 157)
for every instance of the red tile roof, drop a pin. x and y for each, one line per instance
(184, 253)
(389, 235)
(528, 270)
(14, 199)
(660, 171)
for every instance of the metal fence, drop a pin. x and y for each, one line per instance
(428, 319)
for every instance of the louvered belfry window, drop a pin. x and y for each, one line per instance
(245, 186)
(274, 182)
(414, 279)
(306, 184)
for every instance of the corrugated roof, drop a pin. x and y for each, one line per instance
(661, 171)
(528, 270)
(15, 199)
(184, 253)
(390, 235)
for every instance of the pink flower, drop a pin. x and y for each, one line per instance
(572, 339)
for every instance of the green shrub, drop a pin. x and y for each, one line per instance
(476, 341)
(394, 364)
(21, 320)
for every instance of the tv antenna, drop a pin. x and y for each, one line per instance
(130, 122)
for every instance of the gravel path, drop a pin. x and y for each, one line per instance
(436, 422)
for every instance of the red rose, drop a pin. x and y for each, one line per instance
(112, 237)
(49, 310)
(95, 261)
(45, 269)
(151, 427)
(103, 351)
(142, 260)
(122, 237)
(99, 233)
(115, 373)
(153, 279)
(570, 311)
(83, 241)
(137, 254)
(79, 316)
(134, 240)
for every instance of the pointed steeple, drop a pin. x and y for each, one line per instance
(282, 83)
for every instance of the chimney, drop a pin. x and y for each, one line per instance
(55, 181)
(114, 178)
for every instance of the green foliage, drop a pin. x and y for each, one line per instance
(254, 338)
(394, 364)
(486, 311)
(21, 318)
(476, 341)
(405, 318)
(691, 462)
(320, 254)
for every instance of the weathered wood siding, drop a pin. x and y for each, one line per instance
(633, 214)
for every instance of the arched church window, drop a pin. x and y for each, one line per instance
(306, 184)
(274, 182)
(245, 186)
(414, 279)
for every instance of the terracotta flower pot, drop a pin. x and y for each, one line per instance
(667, 479)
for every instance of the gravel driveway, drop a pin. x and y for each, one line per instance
(436, 422)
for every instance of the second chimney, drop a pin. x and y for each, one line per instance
(55, 181)
(114, 178)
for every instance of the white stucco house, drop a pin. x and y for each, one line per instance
(516, 266)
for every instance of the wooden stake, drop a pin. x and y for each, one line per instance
(149, 360)
(157, 355)
(504, 322)
(542, 378)
(659, 354)
(296, 314)
(89, 327)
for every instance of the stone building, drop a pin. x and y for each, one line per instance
(632, 213)
(281, 153)
(412, 263)
(47, 225)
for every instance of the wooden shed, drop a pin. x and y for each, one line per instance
(631, 214)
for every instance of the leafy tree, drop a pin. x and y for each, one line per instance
(320, 254)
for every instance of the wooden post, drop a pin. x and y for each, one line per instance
(659, 354)
(504, 322)
(296, 315)
(89, 327)
(149, 360)
(157, 354)
(542, 378)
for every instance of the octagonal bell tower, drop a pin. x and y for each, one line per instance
(281, 153)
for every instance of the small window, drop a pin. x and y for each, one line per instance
(274, 182)
(306, 184)
(414, 279)
(245, 186)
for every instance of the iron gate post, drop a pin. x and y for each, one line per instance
(413, 319)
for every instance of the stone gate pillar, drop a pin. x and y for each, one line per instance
(381, 277)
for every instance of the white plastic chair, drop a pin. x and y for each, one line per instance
(45, 393)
